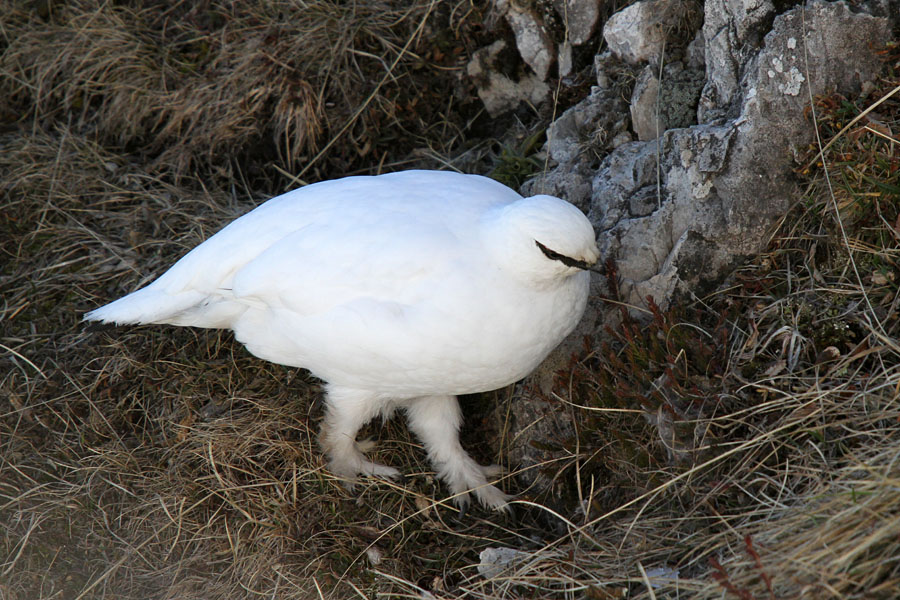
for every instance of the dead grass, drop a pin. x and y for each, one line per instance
(169, 463)
(770, 466)
(749, 442)
(212, 86)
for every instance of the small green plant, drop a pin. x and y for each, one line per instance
(516, 164)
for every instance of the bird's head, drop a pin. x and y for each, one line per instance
(541, 239)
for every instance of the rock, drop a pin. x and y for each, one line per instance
(723, 185)
(630, 168)
(532, 39)
(621, 139)
(645, 106)
(637, 33)
(564, 60)
(580, 18)
(494, 562)
(572, 183)
(590, 123)
(604, 63)
(497, 90)
(499, 8)
(732, 30)
(679, 213)
(575, 141)
(695, 53)
(681, 90)
(655, 108)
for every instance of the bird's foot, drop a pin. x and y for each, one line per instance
(473, 479)
(488, 495)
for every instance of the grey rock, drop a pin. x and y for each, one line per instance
(652, 219)
(572, 183)
(637, 33)
(580, 18)
(678, 213)
(732, 30)
(680, 94)
(884, 8)
(495, 562)
(695, 53)
(588, 125)
(576, 141)
(532, 39)
(621, 139)
(497, 12)
(643, 202)
(630, 168)
(497, 91)
(564, 59)
(656, 107)
(603, 63)
(644, 106)
(722, 186)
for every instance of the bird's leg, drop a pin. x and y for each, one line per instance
(347, 410)
(436, 420)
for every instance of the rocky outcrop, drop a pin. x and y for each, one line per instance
(721, 185)
(678, 210)
(545, 36)
(499, 89)
(532, 39)
(579, 17)
(638, 32)
(667, 103)
(576, 141)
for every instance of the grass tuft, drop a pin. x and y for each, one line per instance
(219, 85)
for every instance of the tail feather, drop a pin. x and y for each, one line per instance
(146, 306)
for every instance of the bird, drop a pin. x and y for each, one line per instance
(400, 291)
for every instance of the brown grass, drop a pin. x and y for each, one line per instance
(217, 85)
(749, 441)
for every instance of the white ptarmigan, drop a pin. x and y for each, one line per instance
(399, 291)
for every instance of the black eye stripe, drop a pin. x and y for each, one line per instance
(566, 260)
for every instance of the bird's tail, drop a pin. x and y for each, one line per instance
(147, 305)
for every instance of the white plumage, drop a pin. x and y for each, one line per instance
(400, 291)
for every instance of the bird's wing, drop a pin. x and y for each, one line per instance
(331, 221)
(388, 258)
(319, 246)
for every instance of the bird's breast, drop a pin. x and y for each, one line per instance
(462, 342)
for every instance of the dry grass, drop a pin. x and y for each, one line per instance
(217, 85)
(749, 441)
(158, 462)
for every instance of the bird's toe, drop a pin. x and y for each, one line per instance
(492, 498)
(491, 470)
(383, 472)
(462, 503)
(366, 445)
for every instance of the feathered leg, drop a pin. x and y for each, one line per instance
(347, 410)
(436, 420)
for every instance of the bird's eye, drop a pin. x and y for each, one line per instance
(566, 260)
